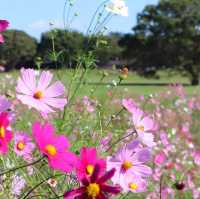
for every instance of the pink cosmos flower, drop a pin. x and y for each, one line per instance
(160, 158)
(4, 104)
(129, 104)
(134, 185)
(37, 92)
(23, 145)
(3, 26)
(129, 165)
(196, 156)
(144, 126)
(5, 133)
(88, 160)
(55, 148)
(94, 187)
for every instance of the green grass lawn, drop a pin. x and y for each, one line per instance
(94, 76)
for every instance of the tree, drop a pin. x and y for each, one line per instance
(61, 46)
(104, 47)
(167, 35)
(18, 50)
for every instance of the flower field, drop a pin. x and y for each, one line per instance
(151, 141)
(84, 133)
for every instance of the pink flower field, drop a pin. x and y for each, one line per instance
(73, 134)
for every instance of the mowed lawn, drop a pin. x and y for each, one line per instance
(133, 85)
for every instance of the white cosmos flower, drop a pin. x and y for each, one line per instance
(117, 7)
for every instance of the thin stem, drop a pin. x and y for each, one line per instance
(94, 15)
(37, 185)
(160, 190)
(22, 166)
(117, 114)
(120, 139)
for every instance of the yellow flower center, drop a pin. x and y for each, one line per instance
(20, 145)
(93, 190)
(2, 132)
(133, 186)
(126, 165)
(50, 149)
(140, 128)
(89, 169)
(38, 95)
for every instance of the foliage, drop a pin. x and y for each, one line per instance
(167, 35)
(18, 50)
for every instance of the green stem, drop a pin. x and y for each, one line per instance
(22, 166)
(37, 185)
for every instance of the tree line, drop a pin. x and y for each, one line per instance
(166, 36)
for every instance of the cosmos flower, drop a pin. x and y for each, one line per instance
(134, 185)
(144, 126)
(4, 104)
(94, 187)
(23, 145)
(129, 165)
(37, 92)
(3, 26)
(87, 161)
(5, 132)
(117, 7)
(54, 147)
(129, 104)
(160, 158)
(17, 185)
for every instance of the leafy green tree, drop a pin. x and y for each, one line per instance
(167, 35)
(104, 47)
(18, 50)
(61, 46)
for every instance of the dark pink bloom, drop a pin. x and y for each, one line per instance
(54, 147)
(3, 26)
(160, 158)
(94, 187)
(5, 133)
(87, 161)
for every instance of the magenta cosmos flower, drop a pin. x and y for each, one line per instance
(3, 26)
(23, 145)
(55, 148)
(94, 187)
(144, 126)
(129, 165)
(37, 92)
(5, 133)
(87, 161)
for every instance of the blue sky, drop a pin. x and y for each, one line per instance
(34, 16)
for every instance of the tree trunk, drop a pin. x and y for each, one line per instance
(195, 80)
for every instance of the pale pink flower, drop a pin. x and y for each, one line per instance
(38, 93)
(4, 104)
(196, 156)
(129, 164)
(129, 104)
(144, 126)
(23, 145)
